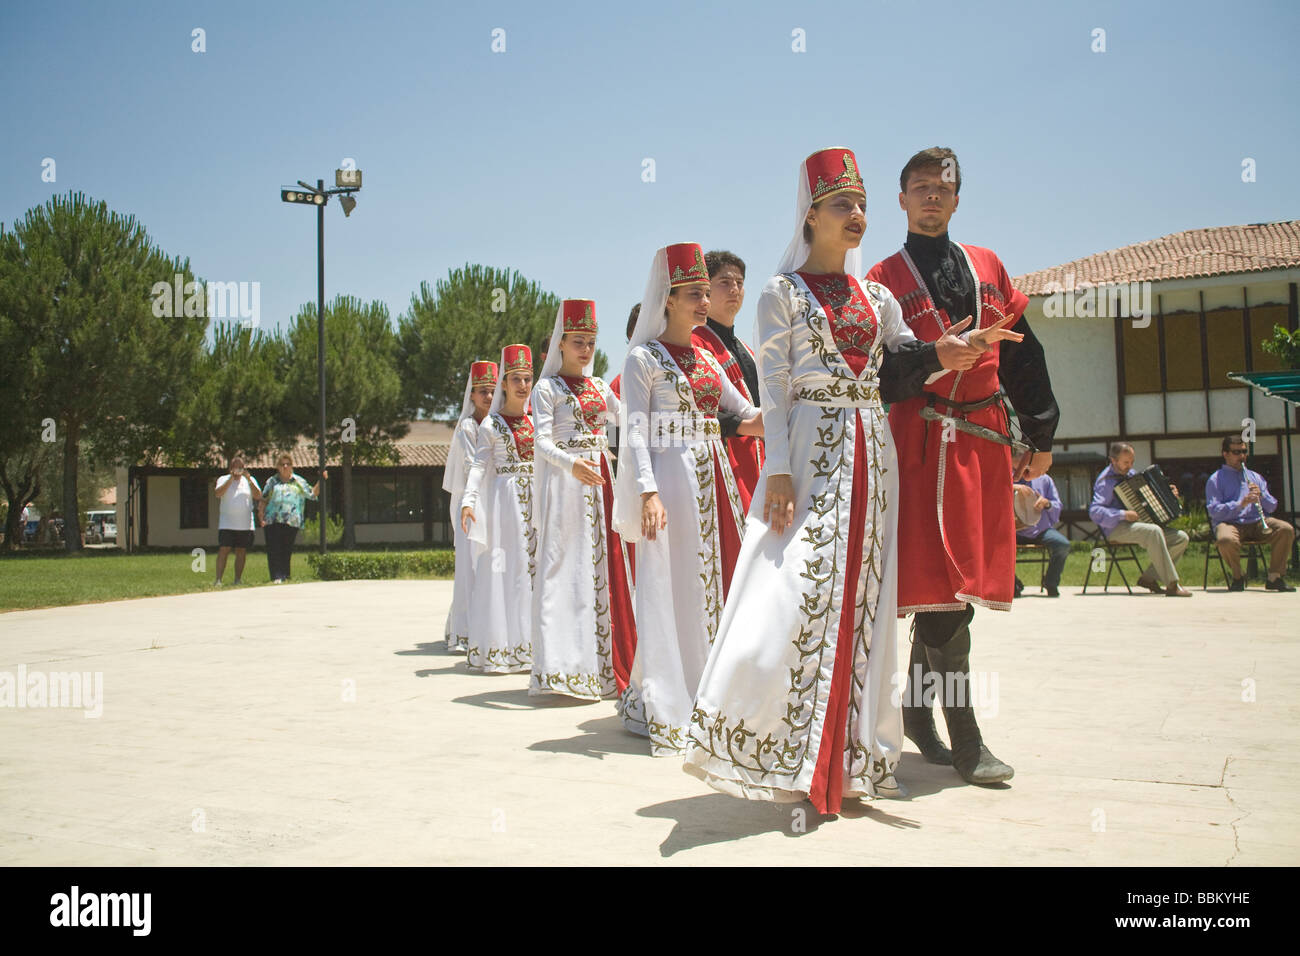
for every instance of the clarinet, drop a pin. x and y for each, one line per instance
(1245, 478)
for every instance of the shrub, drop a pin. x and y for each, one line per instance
(309, 536)
(1195, 520)
(382, 565)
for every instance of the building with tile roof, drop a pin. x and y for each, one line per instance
(1140, 341)
(160, 505)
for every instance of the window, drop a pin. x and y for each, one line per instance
(387, 498)
(1223, 335)
(1141, 358)
(1262, 320)
(1183, 352)
(194, 502)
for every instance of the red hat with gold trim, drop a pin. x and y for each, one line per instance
(832, 171)
(686, 265)
(517, 358)
(483, 373)
(579, 315)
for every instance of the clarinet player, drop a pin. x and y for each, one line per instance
(1240, 506)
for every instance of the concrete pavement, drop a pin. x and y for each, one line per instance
(322, 723)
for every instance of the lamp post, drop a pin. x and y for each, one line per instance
(346, 182)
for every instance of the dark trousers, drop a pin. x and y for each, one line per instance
(279, 548)
(937, 628)
(1058, 549)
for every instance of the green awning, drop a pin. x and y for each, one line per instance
(1284, 385)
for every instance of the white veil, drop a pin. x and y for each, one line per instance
(553, 358)
(498, 396)
(650, 324)
(453, 477)
(796, 253)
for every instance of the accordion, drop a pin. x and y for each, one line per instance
(1148, 494)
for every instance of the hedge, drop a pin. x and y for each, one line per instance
(375, 565)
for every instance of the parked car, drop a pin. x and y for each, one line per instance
(101, 526)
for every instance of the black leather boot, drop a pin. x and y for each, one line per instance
(970, 757)
(918, 717)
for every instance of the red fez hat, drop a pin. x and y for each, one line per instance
(483, 373)
(579, 315)
(833, 171)
(686, 265)
(518, 357)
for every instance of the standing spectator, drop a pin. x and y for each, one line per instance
(1048, 505)
(237, 491)
(281, 514)
(1239, 506)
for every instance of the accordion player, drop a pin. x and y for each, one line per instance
(1149, 494)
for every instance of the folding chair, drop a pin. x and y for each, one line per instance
(1255, 554)
(1034, 552)
(1115, 554)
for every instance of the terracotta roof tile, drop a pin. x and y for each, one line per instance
(425, 445)
(1196, 253)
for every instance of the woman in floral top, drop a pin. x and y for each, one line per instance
(281, 514)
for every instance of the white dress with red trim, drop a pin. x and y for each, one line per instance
(674, 446)
(960, 545)
(797, 700)
(500, 490)
(584, 634)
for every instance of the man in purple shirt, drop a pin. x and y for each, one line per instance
(1238, 503)
(1048, 506)
(1121, 526)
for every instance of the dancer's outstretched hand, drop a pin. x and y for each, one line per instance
(997, 332)
(466, 518)
(778, 502)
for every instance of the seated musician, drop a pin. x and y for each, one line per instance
(1047, 503)
(1121, 526)
(1239, 506)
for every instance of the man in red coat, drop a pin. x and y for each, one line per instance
(718, 335)
(957, 542)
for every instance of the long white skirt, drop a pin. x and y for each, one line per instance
(501, 610)
(462, 591)
(760, 718)
(572, 652)
(678, 595)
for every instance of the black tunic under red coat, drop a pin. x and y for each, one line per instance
(956, 527)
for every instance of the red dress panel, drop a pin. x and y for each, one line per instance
(707, 386)
(744, 452)
(621, 620)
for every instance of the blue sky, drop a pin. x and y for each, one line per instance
(532, 158)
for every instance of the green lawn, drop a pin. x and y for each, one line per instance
(51, 579)
(1190, 569)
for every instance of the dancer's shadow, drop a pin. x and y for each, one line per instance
(430, 649)
(718, 818)
(458, 667)
(501, 698)
(920, 778)
(600, 736)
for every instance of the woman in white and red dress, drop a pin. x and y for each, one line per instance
(479, 388)
(798, 699)
(584, 635)
(496, 515)
(675, 495)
